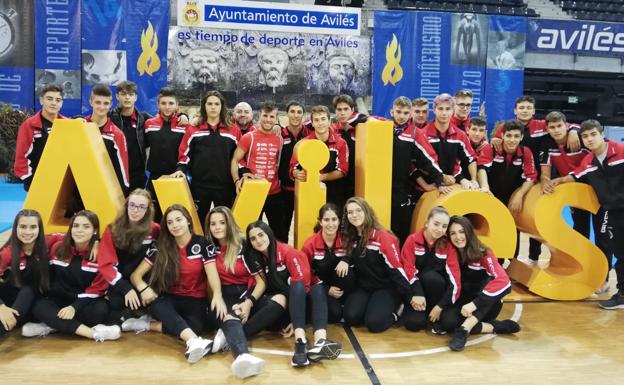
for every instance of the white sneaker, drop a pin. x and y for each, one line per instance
(247, 365)
(604, 288)
(138, 325)
(196, 348)
(32, 329)
(104, 332)
(219, 344)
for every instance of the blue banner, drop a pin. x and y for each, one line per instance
(57, 51)
(125, 40)
(423, 54)
(576, 37)
(505, 66)
(17, 53)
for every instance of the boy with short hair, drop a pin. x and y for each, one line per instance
(603, 169)
(420, 112)
(477, 133)
(33, 133)
(508, 173)
(132, 123)
(463, 105)
(260, 151)
(114, 139)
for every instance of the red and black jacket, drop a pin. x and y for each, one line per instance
(486, 281)
(418, 257)
(453, 148)
(323, 258)
(31, 139)
(338, 160)
(379, 266)
(250, 127)
(163, 138)
(348, 134)
(244, 272)
(607, 178)
(76, 279)
(192, 279)
(288, 145)
(290, 265)
(115, 143)
(461, 124)
(560, 157)
(206, 153)
(507, 172)
(535, 134)
(116, 265)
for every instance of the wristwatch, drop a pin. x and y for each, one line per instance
(7, 30)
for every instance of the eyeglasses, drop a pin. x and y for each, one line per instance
(464, 105)
(132, 206)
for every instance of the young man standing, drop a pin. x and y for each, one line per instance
(291, 135)
(114, 139)
(163, 134)
(477, 133)
(346, 122)
(243, 117)
(337, 166)
(420, 112)
(132, 124)
(451, 145)
(411, 154)
(603, 169)
(508, 173)
(260, 152)
(33, 134)
(463, 105)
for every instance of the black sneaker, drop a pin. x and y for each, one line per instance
(505, 327)
(300, 358)
(615, 302)
(458, 342)
(324, 350)
(436, 328)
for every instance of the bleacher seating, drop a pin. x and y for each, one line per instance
(603, 10)
(497, 7)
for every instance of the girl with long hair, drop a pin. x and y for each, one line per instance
(178, 269)
(123, 246)
(75, 303)
(205, 154)
(24, 271)
(431, 265)
(288, 281)
(381, 280)
(484, 283)
(325, 252)
(240, 286)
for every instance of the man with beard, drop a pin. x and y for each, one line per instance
(273, 63)
(205, 66)
(243, 117)
(341, 73)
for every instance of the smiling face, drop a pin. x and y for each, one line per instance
(101, 105)
(51, 103)
(355, 215)
(218, 227)
(27, 230)
(476, 133)
(167, 106)
(177, 224)
(82, 231)
(295, 115)
(457, 234)
(268, 120)
(511, 140)
(436, 226)
(320, 122)
(243, 114)
(330, 223)
(259, 240)
(137, 207)
(524, 111)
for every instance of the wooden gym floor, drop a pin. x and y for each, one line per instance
(560, 343)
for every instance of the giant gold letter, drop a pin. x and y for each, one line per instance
(176, 190)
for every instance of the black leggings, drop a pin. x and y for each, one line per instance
(316, 301)
(434, 286)
(204, 197)
(93, 313)
(267, 314)
(451, 318)
(20, 299)
(274, 210)
(335, 305)
(178, 313)
(372, 307)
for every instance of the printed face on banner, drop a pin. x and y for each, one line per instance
(506, 50)
(205, 65)
(103, 66)
(273, 63)
(69, 80)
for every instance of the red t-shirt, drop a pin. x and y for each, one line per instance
(262, 152)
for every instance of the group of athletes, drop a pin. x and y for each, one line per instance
(151, 271)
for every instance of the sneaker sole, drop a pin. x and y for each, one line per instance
(612, 307)
(197, 354)
(327, 352)
(244, 369)
(456, 348)
(300, 365)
